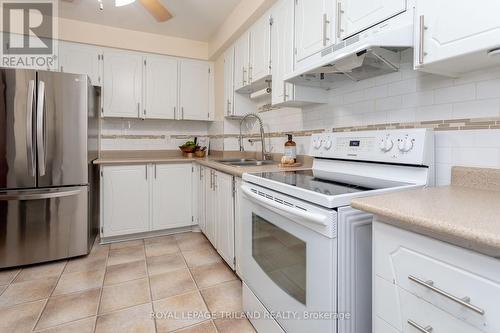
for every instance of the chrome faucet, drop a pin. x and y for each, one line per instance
(265, 156)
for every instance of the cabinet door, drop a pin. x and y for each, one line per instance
(160, 87)
(122, 94)
(172, 196)
(241, 61)
(313, 26)
(260, 53)
(194, 90)
(225, 217)
(211, 210)
(229, 82)
(201, 201)
(358, 15)
(125, 201)
(455, 29)
(282, 49)
(81, 59)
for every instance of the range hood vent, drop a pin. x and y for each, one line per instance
(371, 53)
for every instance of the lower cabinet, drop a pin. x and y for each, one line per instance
(125, 200)
(425, 285)
(145, 197)
(172, 192)
(219, 212)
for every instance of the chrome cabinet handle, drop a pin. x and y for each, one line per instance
(250, 73)
(29, 126)
(155, 171)
(39, 128)
(339, 19)
(146, 171)
(462, 301)
(421, 41)
(201, 173)
(427, 329)
(325, 26)
(244, 76)
(211, 179)
(182, 112)
(138, 110)
(175, 109)
(228, 107)
(215, 180)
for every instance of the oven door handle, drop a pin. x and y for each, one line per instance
(311, 217)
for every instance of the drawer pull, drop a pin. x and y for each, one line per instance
(427, 329)
(462, 301)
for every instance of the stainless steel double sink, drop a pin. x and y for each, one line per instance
(246, 162)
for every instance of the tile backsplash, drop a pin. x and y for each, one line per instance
(466, 108)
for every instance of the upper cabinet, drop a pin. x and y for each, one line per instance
(79, 58)
(195, 96)
(284, 93)
(122, 93)
(260, 52)
(453, 37)
(160, 87)
(314, 26)
(241, 61)
(355, 16)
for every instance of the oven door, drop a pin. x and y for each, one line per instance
(289, 258)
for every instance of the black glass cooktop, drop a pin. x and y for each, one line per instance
(306, 180)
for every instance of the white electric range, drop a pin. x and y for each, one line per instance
(306, 254)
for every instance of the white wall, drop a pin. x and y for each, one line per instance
(406, 97)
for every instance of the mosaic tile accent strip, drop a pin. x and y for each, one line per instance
(134, 137)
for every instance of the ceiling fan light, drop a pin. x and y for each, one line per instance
(119, 3)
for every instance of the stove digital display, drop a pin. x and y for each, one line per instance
(354, 143)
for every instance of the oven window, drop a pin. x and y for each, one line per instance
(281, 256)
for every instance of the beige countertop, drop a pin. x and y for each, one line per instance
(141, 157)
(466, 214)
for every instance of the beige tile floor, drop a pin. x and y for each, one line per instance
(117, 287)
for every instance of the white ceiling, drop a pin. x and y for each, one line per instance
(193, 19)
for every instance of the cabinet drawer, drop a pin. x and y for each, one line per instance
(460, 282)
(418, 316)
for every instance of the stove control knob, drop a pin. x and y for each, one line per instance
(317, 142)
(386, 145)
(405, 145)
(328, 144)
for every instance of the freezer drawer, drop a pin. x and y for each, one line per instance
(43, 225)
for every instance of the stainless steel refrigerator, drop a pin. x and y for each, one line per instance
(48, 140)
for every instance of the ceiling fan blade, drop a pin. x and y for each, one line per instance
(156, 8)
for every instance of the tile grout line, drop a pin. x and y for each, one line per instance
(48, 298)
(149, 284)
(197, 287)
(102, 286)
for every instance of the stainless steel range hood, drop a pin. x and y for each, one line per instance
(374, 52)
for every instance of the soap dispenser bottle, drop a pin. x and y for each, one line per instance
(290, 150)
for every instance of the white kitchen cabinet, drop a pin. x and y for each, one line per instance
(356, 16)
(229, 82)
(260, 52)
(79, 58)
(220, 213)
(314, 26)
(172, 196)
(284, 93)
(210, 206)
(145, 197)
(224, 188)
(241, 61)
(160, 87)
(453, 38)
(125, 200)
(422, 280)
(238, 237)
(122, 93)
(195, 90)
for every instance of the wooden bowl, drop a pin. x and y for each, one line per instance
(200, 153)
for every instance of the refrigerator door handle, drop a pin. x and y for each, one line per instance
(39, 195)
(29, 127)
(40, 108)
